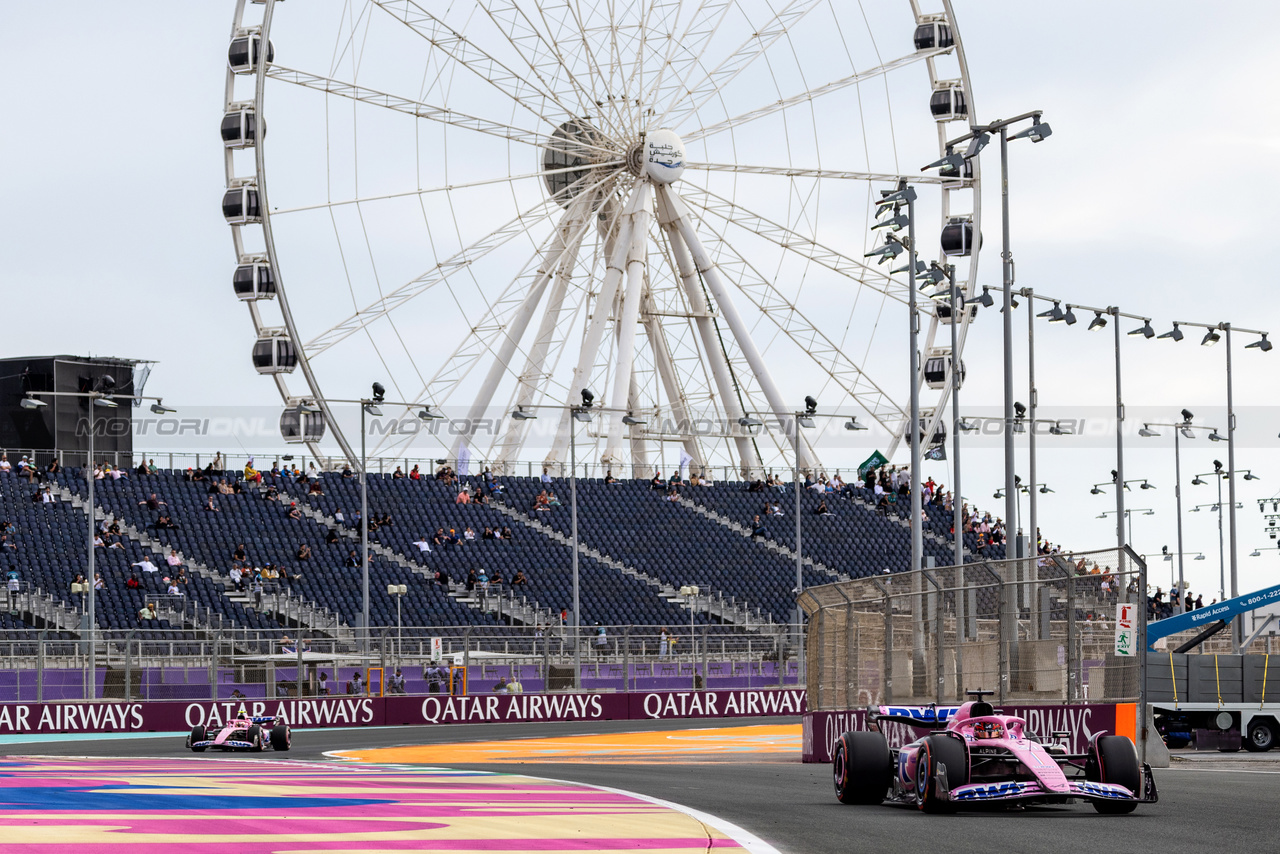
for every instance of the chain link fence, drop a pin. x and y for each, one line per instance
(1032, 630)
(231, 664)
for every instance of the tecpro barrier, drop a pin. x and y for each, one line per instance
(427, 710)
(1080, 722)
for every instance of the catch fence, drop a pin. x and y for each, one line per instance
(1030, 630)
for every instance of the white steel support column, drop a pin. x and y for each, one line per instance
(670, 378)
(711, 275)
(628, 319)
(748, 459)
(569, 225)
(535, 374)
(599, 321)
(634, 432)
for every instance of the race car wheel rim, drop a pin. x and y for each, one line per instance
(839, 768)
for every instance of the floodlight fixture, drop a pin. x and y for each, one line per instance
(1045, 490)
(1145, 329)
(1262, 344)
(1069, 317)
(1054, 314)
(1056, 430)
(32, 403)
(810, 404)
(1187, 415)
(160, 409)
(900, 196)
(1210, 338)
(1196, 481)
(379, 393)
(952, 161)
(1175, 334)
(1019, 410)
(1147, 485)
(1098, 321)
(425, 414)
(1038, 132)
(852, 424)
(520, 415)
(1215, 436)
(892, 248)
(582, 415)
(986, 300)
(105, 402)
(587, 398)
(1147, 433)
(1249, 475)
(373, 409)
(897, 222)
(631, 421)
(976, 144)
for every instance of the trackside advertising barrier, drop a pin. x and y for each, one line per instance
(823, 729)
(401, 710)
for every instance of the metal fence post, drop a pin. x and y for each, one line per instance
(626, 657)
(706, 639)
(40, 642)
(940, 676)
(1073, 661)
(887, 676)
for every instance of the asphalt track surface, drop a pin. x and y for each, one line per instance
(1204, 806)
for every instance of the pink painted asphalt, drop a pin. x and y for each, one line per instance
(78, 805)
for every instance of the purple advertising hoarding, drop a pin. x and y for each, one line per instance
(341, 711)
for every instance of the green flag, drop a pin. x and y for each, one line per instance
(874, 461)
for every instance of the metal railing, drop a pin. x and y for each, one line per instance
(229, 663)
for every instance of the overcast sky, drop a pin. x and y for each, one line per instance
(1158, 191)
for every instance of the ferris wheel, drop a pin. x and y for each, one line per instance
(491, 206)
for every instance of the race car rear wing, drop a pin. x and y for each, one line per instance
(920, 717)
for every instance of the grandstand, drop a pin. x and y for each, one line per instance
(637, 548)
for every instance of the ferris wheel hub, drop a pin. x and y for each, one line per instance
(663, 156)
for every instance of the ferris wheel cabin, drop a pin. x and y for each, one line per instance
(240, 204)
(948, 102)
(302, 421)
(932, 34)
(240, 127)
(957, 237)
(274, 354)
(244, 51)
(253, 279)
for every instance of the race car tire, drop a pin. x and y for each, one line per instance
(949, 752)
(1261, 738)
(862, 768)
(1114, 760)
(279, 737)
(197, 734)
(255, 738)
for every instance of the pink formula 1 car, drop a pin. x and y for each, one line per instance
(976, 756)
(243, 733)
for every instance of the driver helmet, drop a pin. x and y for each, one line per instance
(988, 729)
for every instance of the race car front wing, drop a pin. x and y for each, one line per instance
(231, 743)
(1023, 790)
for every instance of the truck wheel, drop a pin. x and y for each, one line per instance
(197, 734)
(280, 737)
(255, 738)
(1262, 736)
(861, 768)
(1114, 760)
(949, 753)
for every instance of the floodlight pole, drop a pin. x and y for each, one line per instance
(364, 530)
(1006, 257)
(1115, 312)
(1033, 534)
(573, 559)
(917, 531)
(795, 447)
(957, 500)
(1177, 496)
(1237, 625)
(91, 688)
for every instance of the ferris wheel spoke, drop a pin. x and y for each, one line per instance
(461, 260)
(811, 95)
(781, 310)
(421, 110)
(835, 174)
(692, 98)
(510, 179)
(792, 241)
(684, 54)
(543, 56)
(476, 61)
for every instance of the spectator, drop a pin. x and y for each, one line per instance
(14, 586)
(506, 533)
(134, 582)
(395, 685)
(664, 643)
(352, 561)
(519, 580)
(237, 576)
(5, 466)
(546, 476)
(397, 474)
(304, 552)
(464, 496)
(209, 506)
(355, 685)
(757, 528)
(173, 559)
(147, 613)
(501, 687)
(293, 511)
(414, 474)
(323, 688)
(822, 510)
(339, 518)
(602, 640)
(152, 502)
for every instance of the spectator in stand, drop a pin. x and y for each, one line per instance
(822, 509)
(546, 475)
(209, 506)
(506, 533)
(519, 580)
(237, 577)
(173, 559)
(152, 502)
(464, 496)
(757, 528)
(293, 512)
(339, 518)
(414, 474)
(398, 474)
(251, 475)
(353, 562)
(442, 578)
(332, 536)
(148, 613)
(6, 467)
(317, 488)
(656, 482)
(488, 533)
(346, 471)
(146, 565)
(304, 552)
(469, 535)
(134, 581)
